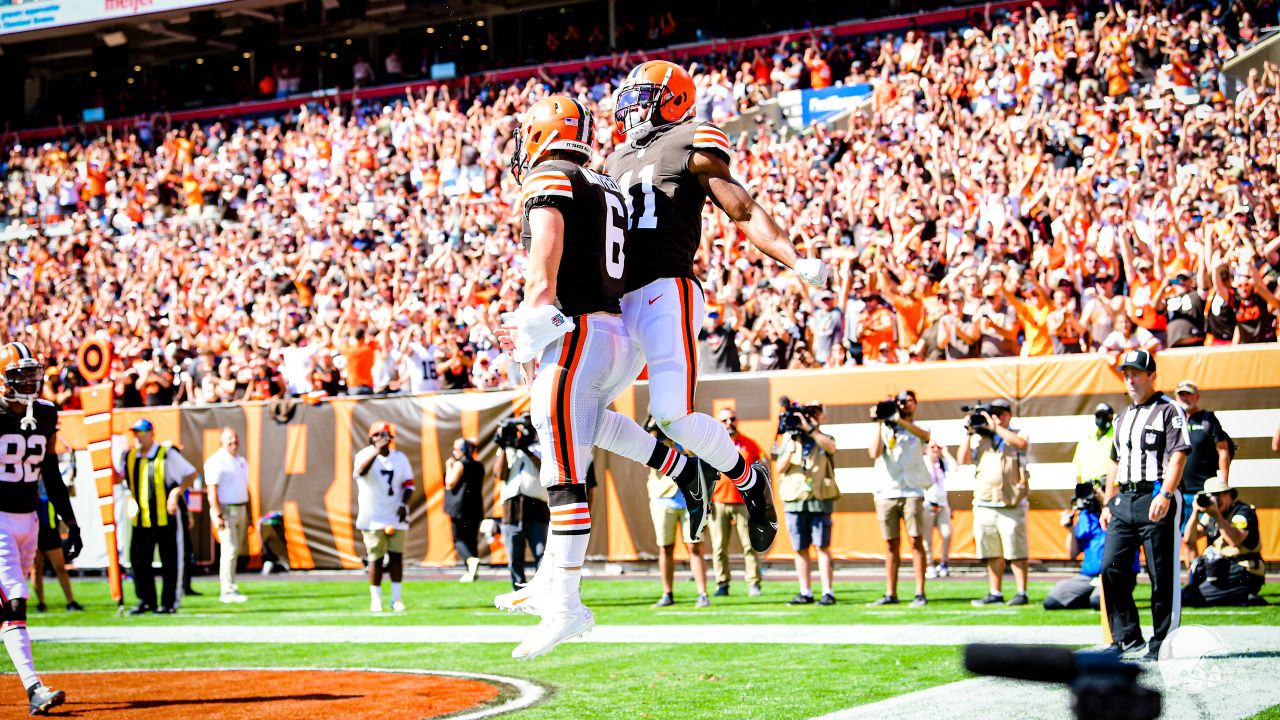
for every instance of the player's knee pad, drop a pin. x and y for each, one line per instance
(566, 494)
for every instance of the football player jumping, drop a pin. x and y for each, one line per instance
(27, 429)
(668, 167)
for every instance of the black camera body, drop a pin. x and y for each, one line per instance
(976, 422)
(516, 432)
(1085, 498)
(887, 410)
(791, 419)
(1203, 501)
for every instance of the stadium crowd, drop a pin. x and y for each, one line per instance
(1048, 182)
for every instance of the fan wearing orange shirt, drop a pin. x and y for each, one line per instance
(819, 70)
(909, 307)
(877, 329)
(1033, 308)
(359, 372)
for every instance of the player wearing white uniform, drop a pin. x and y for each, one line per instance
(669, 167)
(384, 484)
(28, 427)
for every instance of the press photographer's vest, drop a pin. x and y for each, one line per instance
(1248, 557)
(812, 475)
(146, 484)
(1000, 476)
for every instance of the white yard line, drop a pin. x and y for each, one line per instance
(1087, 635)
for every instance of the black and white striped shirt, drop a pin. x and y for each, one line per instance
(1146, 434)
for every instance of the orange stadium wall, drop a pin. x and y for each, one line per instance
(302, 468)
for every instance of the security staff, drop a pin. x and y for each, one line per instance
(156, 476)
(1143, 507)
(1231, 572)
(1093, 453)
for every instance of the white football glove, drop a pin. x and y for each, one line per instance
(535, 328)
(813, 271)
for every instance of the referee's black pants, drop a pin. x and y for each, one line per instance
(142, 549)
(1131, 528)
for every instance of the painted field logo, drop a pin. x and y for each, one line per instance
(1187, 659)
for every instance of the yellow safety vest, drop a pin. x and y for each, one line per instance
(135, 475)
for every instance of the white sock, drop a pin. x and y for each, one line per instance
(567, 542)
(565, 589)
(375, 593)
(621, 435)
(18, 643)
(701, 435)
(395, 592)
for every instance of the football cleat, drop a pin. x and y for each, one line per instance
(397, 606)
(762, 516)
(554, 629)
(41, 699)
(697, 482)
(525, 599)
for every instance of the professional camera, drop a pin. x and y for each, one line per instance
(977, 421)
(1102, 686)
(1203, 501)
(886, 410)
(1085, 498)
(516, 432)
(789, 421)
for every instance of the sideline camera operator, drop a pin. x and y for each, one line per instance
(1231, 571)
(999, 496)
(899, 449)
(806, 460)
(525, 514)
(1082, 590)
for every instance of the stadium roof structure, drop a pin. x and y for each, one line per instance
(154, 29)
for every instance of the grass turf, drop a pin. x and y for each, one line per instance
(595, 681)
(615, 602)
(1271, 713)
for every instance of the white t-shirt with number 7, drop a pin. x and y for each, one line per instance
(379, 491)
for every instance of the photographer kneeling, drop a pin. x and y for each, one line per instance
(806, 460)
(525, 514)
(999, 496)
(1231, 571)
(1083, 590)
(898, 449)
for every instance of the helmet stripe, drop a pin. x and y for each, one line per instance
(23, 352)
(582, 121)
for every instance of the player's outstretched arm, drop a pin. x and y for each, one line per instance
(760, 227)
(61, 500)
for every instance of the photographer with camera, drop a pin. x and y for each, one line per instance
(525, 513)
(1210, 455)
(1083, 590)
(807, 463)
(464, 503)
(998, 452)
(898, 450)
(1231, 571)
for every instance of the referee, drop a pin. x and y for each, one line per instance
(1143, 507)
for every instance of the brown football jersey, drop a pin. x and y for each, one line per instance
(665, 199)
(26, 456)
(593, 261)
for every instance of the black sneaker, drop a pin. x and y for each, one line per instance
(166, 610)
(696, 482)
(762, 516)
(801, 599)
(1019, 599)
(73, 606)
(665, 601)
(722, 590)
(142, 609)
(192, 591)
(886, 600)
(827, 599)
(41, 607)
(990, 599)
(920, 601)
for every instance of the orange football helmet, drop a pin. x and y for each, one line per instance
(654, 94)
(23, 373)
(382, 426)
(556, 122)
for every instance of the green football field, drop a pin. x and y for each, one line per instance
(739, 679)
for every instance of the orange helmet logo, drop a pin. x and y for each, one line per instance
(380, 427)
(553, 123)
(655, 93)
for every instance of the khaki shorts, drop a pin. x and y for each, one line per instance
(665, 521)
(893, 511)
(1000, 532)
(378, 543)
